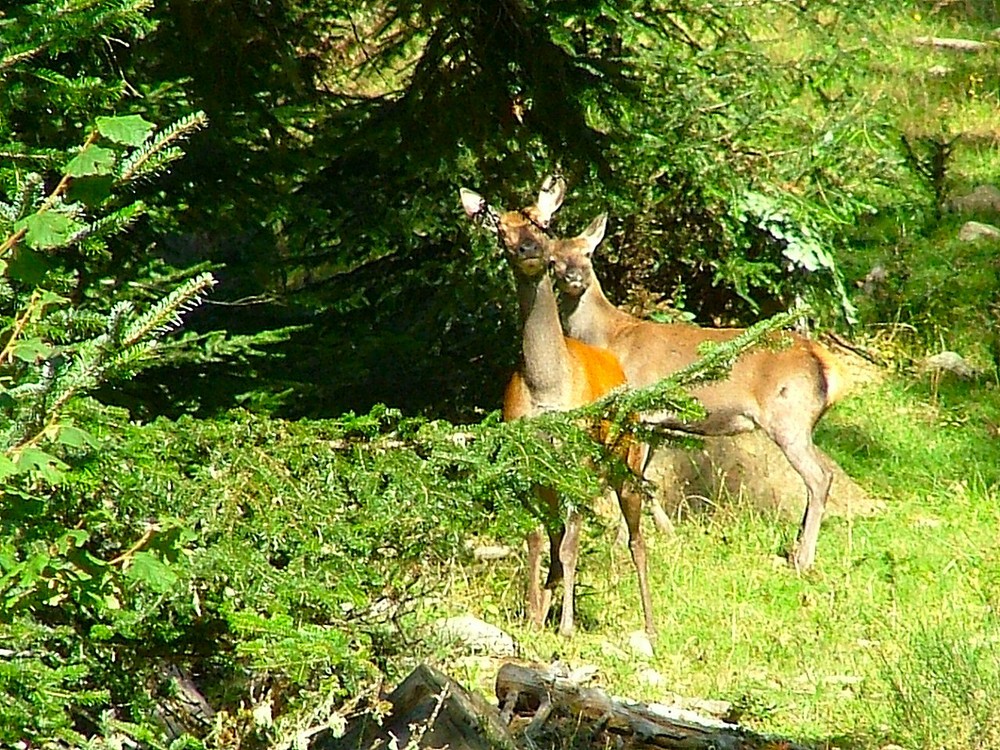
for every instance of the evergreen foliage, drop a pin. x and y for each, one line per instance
(291, 555)
(278, 564)
(347, 138)
(60, 206)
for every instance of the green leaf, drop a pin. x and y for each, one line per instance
(49, 229)
(28, 267)
(32, 350)
(75, 437)
(48, 297)
(7, 467)
(71, 539)
(93, 160)
(131, 130)
(149, 569)
(39, 462)
(92, 190)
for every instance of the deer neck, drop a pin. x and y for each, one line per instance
(545, 365)
(590, 317)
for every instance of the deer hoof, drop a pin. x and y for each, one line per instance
(801, 558)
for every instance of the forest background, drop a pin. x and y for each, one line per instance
(253, 352)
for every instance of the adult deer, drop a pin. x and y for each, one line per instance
(556, 374)
(782, 389)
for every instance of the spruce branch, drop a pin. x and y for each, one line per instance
(160, 145)
(669, 393)
(165, 315)
(117, 221)
(19, 325)
(55, 196)
(125, 347)
(10, 61)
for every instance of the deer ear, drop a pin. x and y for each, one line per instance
(593, 234)
(473, 203)
(550, 198)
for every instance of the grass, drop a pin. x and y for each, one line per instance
(847, 649)
(893, 636)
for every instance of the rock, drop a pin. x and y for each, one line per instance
(490, 552)
(959, 45)
(938, 71)
(477, 636)
(651, 677)
(951, 362)
(640, 645)
(985, 198)
(874, 280)
(976, 230)
(747, 466)
(427, 710)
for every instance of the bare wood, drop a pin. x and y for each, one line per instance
(960, 45)
(550, 698)
(428, 710)
(783, 390)
(557, 374)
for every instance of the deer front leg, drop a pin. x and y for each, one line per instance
(537, 599)
(539, 596)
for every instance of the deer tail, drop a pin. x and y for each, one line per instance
(834, 381)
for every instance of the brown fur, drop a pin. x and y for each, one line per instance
(782, 389)
(557, 374)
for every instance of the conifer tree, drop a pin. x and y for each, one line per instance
(70, 155)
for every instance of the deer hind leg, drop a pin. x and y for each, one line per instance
(797, 445)
(568, 553)
(630, 500)
(638, 459)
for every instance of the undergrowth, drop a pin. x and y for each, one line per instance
(898, 599)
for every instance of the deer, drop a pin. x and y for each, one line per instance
(557, 373)
(783, 388)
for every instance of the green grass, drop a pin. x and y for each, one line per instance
(821, 655)
(893, 636)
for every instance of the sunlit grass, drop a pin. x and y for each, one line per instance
(892, 638)
(807, 656)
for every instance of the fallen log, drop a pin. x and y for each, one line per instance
(960, 45)
(427, 710)
(540, 702)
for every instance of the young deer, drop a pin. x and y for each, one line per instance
(782, 390)
(556, 374)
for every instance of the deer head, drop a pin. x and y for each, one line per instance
(521, 233)
(570, 259)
